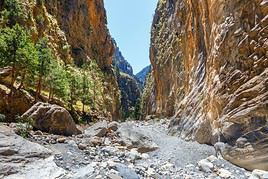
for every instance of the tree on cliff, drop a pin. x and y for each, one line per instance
(18, 52)
(13, 13)
(86, 96)
(75, 84)
(45, 59)
(57, 81)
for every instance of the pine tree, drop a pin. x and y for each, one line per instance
(13, 13)
(18, 52)
(57, 82)
(75, 84)
(45, 59)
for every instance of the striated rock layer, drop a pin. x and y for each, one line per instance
(210, 69)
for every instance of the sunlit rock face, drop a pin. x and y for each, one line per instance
(210, 68)
(85, 26)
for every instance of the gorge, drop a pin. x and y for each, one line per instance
(87, 115)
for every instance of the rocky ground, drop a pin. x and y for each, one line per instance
(129, 150)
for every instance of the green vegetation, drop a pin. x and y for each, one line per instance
(24, 126)
(13, 13)
(18, 52)
(2, 118)
(35, 67)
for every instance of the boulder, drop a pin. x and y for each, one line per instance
(20, 158)
(15, 105)
(126, 172)
(52, 119)
(132, 138)
(99, 129)
(249, 151)
(113, 126)
(205, 165)
(259, 174)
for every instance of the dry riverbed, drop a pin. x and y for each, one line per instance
(128, 150)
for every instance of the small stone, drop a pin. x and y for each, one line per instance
(205, 165)
(82, 146)
(61, 140)
(95, 141)
(38, 132)
(113, 126)
(259, 174)
(98, 177)
(145, 156)
(150, 172)
(114, 176)
(224, 173)
(212, 158)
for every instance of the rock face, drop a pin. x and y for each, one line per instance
(120, 62)
(52, 118)
(129, 86)
(14, 105)
(77, 33)
(130, 92)
(142, 75)
(20, 158)
(210, 69)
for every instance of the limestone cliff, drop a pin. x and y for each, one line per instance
(210, 68)
(77, 33)
(129, 86)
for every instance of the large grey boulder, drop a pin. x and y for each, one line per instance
(98, 129)
(52, 119)
(249, 151)
(132, 138)
(20, 158)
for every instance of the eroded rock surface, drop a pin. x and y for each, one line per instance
(210, 69)
(20, 158)
(52, 118)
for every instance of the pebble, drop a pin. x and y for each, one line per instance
(114, 176)
(205, 165)
(224, 173)
(61, 140)
(82, 146)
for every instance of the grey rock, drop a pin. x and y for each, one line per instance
(114, 176)
(52, 118)
(126, 172)
(98, 129)
(259, 174)
(134, 139)
(113, 125)
(20, 158)
(205, 165)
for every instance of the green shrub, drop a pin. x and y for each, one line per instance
(2, 118)
(24, 126)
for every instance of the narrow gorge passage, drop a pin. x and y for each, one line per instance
(103, 89)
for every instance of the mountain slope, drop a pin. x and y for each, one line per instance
(129, 87)
(142, 75)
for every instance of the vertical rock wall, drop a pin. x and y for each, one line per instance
(209, 68)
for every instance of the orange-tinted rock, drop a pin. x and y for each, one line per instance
(77, 33)
(210, 70)
(210, 67)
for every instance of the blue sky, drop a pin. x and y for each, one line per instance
(129, 22)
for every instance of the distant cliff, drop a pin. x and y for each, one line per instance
(129, 86)
(120, 62)
(142, 75)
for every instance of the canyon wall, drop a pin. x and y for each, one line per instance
(129, 86)
(210, 69)
(77, 33)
